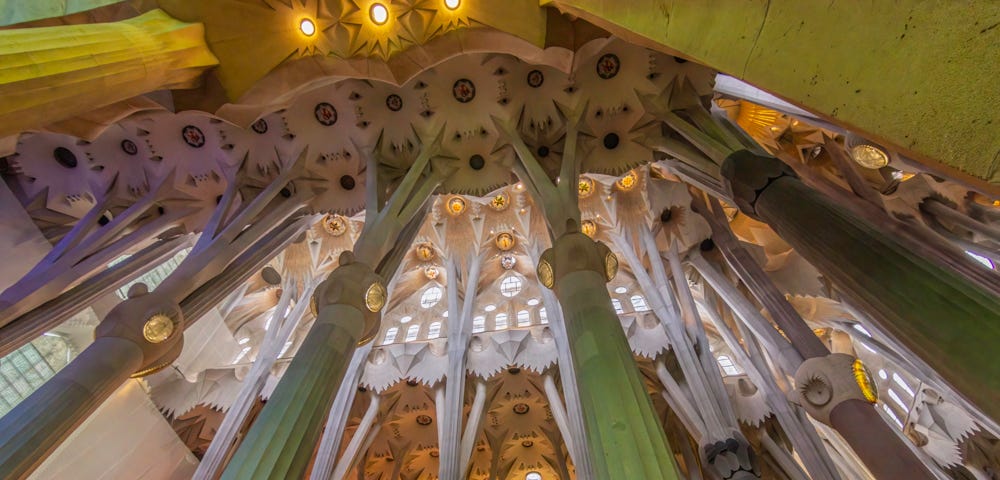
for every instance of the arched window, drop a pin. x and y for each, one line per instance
(533, 476)
(500, 321)
(434, 331)
(390, 335)
(728, 367)
(510, 286)
(618, 306)
(981, 259)
(639, 303)
(543, 316)
(430, 297)
(523, 318)
(412, 332)
(479, 324)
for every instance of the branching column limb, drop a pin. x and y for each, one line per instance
(908, 296)
(624, 437)
(348, 305)
(152, 323)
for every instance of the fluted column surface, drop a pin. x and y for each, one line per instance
(624, 436)
(37, 425)
(282, 439)
(50, 74)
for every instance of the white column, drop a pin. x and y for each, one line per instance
(362, 437)
(333, 431)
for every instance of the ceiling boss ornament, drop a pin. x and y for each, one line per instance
(500, 202)
(589, 228)
(335, 225)
(505, 241)
(425, 252)
(585, 188)
(627, 182)
(456, 205)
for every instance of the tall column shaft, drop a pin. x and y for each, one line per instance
(53, 73)
(36, 426)
(281, 441)
(869, 443)
(624, 436)
(943, 318)
(283, 438)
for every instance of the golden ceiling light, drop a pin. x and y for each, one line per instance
(627, 182)
(307, 27)
(500, 202)
(335, 225)
(158, 328)
(589, 228)
(869, 156)
(505, 241)
(379, 14)
(452, 4)
(425, 252)
(456, 205)
(585, 188)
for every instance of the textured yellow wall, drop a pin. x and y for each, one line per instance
(923, 76)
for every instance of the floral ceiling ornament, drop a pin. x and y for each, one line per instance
(627, 182)
(500, 202)
(193, 136)
(589, 228)
(456, 205)
(585, 188)
(335, 225)
(431, 272)
(508, 262)
(425, 252)
(505, 241)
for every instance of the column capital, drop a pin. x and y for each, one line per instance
(574, 252)
(152, 322)
(733, 459)
(745, 175)
(823, 383)
(354, 284)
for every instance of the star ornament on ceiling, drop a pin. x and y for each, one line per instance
(383, 28)
(378, 28)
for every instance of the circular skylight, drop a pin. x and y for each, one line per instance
(621, 290)
(405, 319)
(510, 286)
(532, 302)
(490, 308)
(430, 297)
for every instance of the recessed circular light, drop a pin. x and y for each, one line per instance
(405, 319)
(490, 308)
(452, 4)
(307, 27)
(379, 14)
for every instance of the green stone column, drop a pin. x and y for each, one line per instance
(949, 322)
(138, 337)
(281, 441)
(624, 435)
